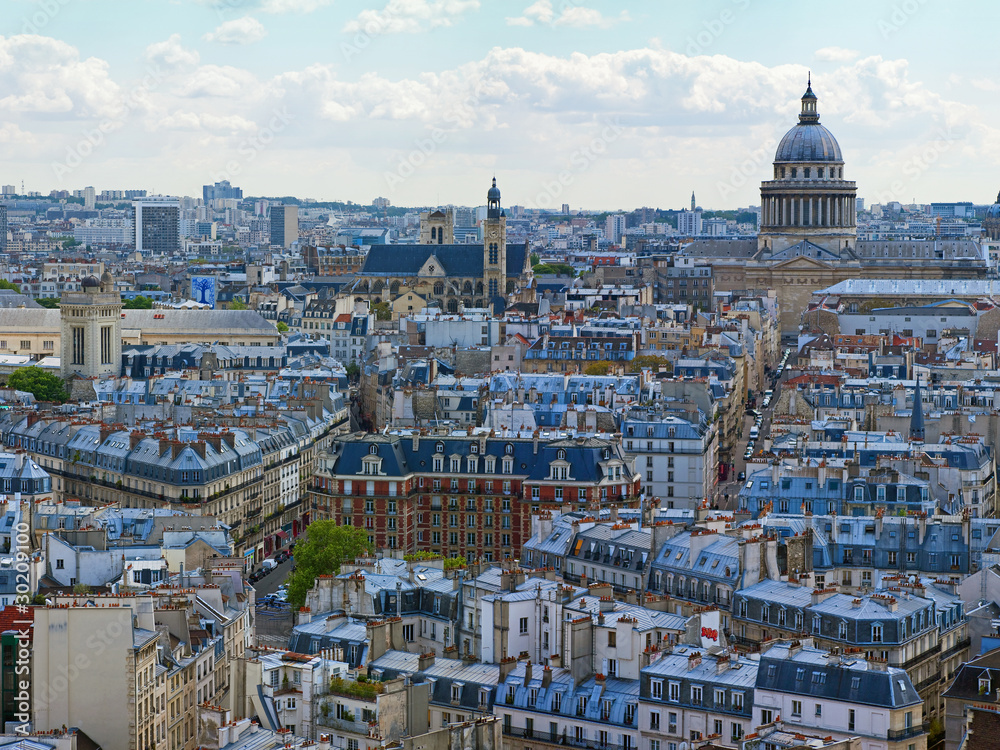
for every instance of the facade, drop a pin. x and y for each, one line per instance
(677, 459)
(450, 274)
(471, 495)
(839, 695)
(90, 330)
(907, 627)
(284, 225)
(157, 225)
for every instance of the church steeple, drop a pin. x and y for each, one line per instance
(692, 201)
(493, 201)
(917, 416)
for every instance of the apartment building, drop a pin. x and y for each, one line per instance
(467, 495)
(843, 696)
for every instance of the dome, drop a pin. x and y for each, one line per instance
(493, 194)
(993, 212)
(107, 278)
(808, 141)
(89, 282)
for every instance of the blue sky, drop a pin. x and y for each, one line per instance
(597, 104)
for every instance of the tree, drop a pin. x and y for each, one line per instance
(382, 311)
(51, 303)
(648, 360)
(282, 327)
(325, 548)
(138, 303)
(238, 304)
(597, 368)
(44, 386)
(534, 259)
(4, 284)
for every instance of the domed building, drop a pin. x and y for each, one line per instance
(807, 243)
(991, 222)
(808, 198)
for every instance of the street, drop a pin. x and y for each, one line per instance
(273, 625)
(732, 487)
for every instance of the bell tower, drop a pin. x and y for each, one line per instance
(91, 330)
(495, 250)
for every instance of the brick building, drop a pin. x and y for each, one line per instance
(465, 495)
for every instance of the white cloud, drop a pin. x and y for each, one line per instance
(44, 77)
(837, 54)
(293, 6)
(246, 30)
(573, 16)
(409, 16)
(521, 112)
(171, 53)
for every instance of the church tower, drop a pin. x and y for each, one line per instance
(495, 250)
(91, 329)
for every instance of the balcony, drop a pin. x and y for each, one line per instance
(905, 734)
(563, 739)
(921, 657)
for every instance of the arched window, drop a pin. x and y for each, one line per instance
(494, 254)
(439, 288)
(509, 449)
(373, 449)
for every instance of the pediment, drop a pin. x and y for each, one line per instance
(432, 267)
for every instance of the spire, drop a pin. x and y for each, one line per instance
(809, 114)
(917, 416)
(692, 201)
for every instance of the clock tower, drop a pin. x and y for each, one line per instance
(495, 250)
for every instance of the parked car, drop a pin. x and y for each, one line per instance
(741, 476)
(269, 565)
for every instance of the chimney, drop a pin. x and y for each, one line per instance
(425, 661)
(694, 660)
(721, 663)
(819, 595)
(507, 666)
(546, 677)
(134, 438)
(607, 604)
(527, 673)
(324, 742)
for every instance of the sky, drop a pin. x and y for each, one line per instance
(599, 105)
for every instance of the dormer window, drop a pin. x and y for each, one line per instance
(561, 454)
(439, 448)
(373, 450)
(509, 449)
(607, 453)
(474, 448)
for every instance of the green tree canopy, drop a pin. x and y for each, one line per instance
(4, 284)
(281, 326)
(325, 548)
(648, 360)
(50, 302)
(139, 303)
(238, 304)
(597, 368)
(382, 310)
(43, 385)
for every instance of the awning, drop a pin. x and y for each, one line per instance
(281, 534)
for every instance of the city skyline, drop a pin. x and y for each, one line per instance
(421, 101)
